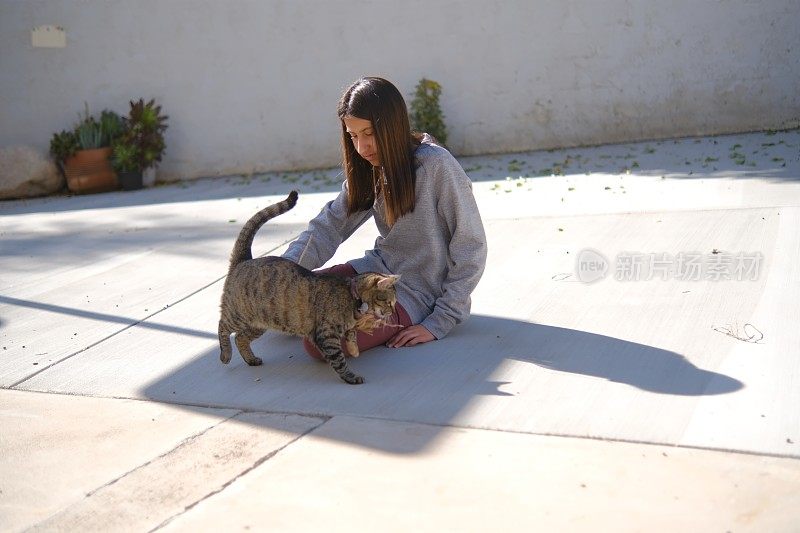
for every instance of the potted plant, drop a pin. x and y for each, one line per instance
(83, 154)
(141, 143)
(426, 114)
(124, 159)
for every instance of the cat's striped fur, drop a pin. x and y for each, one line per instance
(276, 293)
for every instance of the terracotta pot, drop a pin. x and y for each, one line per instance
(90, 171)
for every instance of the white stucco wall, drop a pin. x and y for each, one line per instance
(252, 85)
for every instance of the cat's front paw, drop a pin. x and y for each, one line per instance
(255, 361)
(352, 349)
(352, 379)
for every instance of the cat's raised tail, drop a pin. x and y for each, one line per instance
(241, 250)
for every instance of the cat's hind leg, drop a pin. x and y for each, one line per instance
(331, 348)
(243, 340)
(225, 349)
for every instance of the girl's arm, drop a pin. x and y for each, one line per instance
(325, 233)
(467, 249)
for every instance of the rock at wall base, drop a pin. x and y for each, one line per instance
(26, 173)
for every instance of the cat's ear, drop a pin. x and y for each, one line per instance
(387, 282)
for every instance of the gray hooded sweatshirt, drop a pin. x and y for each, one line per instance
(439, 249)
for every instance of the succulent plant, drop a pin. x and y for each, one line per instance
(141, 143)
(63, 145)
(89, 133)
(111, 125)
(124, 156)
(148, 116)
(93, 133)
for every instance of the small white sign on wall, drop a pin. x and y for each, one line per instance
(49, 36)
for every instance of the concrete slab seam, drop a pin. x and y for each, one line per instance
(239, 410)
(568, 436)
(181, 444)
(328, 416)
(244, 472)
(129, 326)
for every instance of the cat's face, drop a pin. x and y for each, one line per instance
(378, 294)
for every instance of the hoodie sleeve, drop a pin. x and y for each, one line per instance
(325, 233)
(467, 249)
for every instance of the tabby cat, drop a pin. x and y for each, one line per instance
(276, 293)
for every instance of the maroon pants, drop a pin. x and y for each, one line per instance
(364, 340)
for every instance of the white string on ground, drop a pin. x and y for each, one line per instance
(752, 335)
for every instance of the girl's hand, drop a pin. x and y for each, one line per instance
(410, 336)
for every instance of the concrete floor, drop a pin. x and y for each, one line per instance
(655, 397)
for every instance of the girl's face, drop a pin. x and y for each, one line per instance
(363, 137)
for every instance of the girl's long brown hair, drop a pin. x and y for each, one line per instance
(377, 100)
